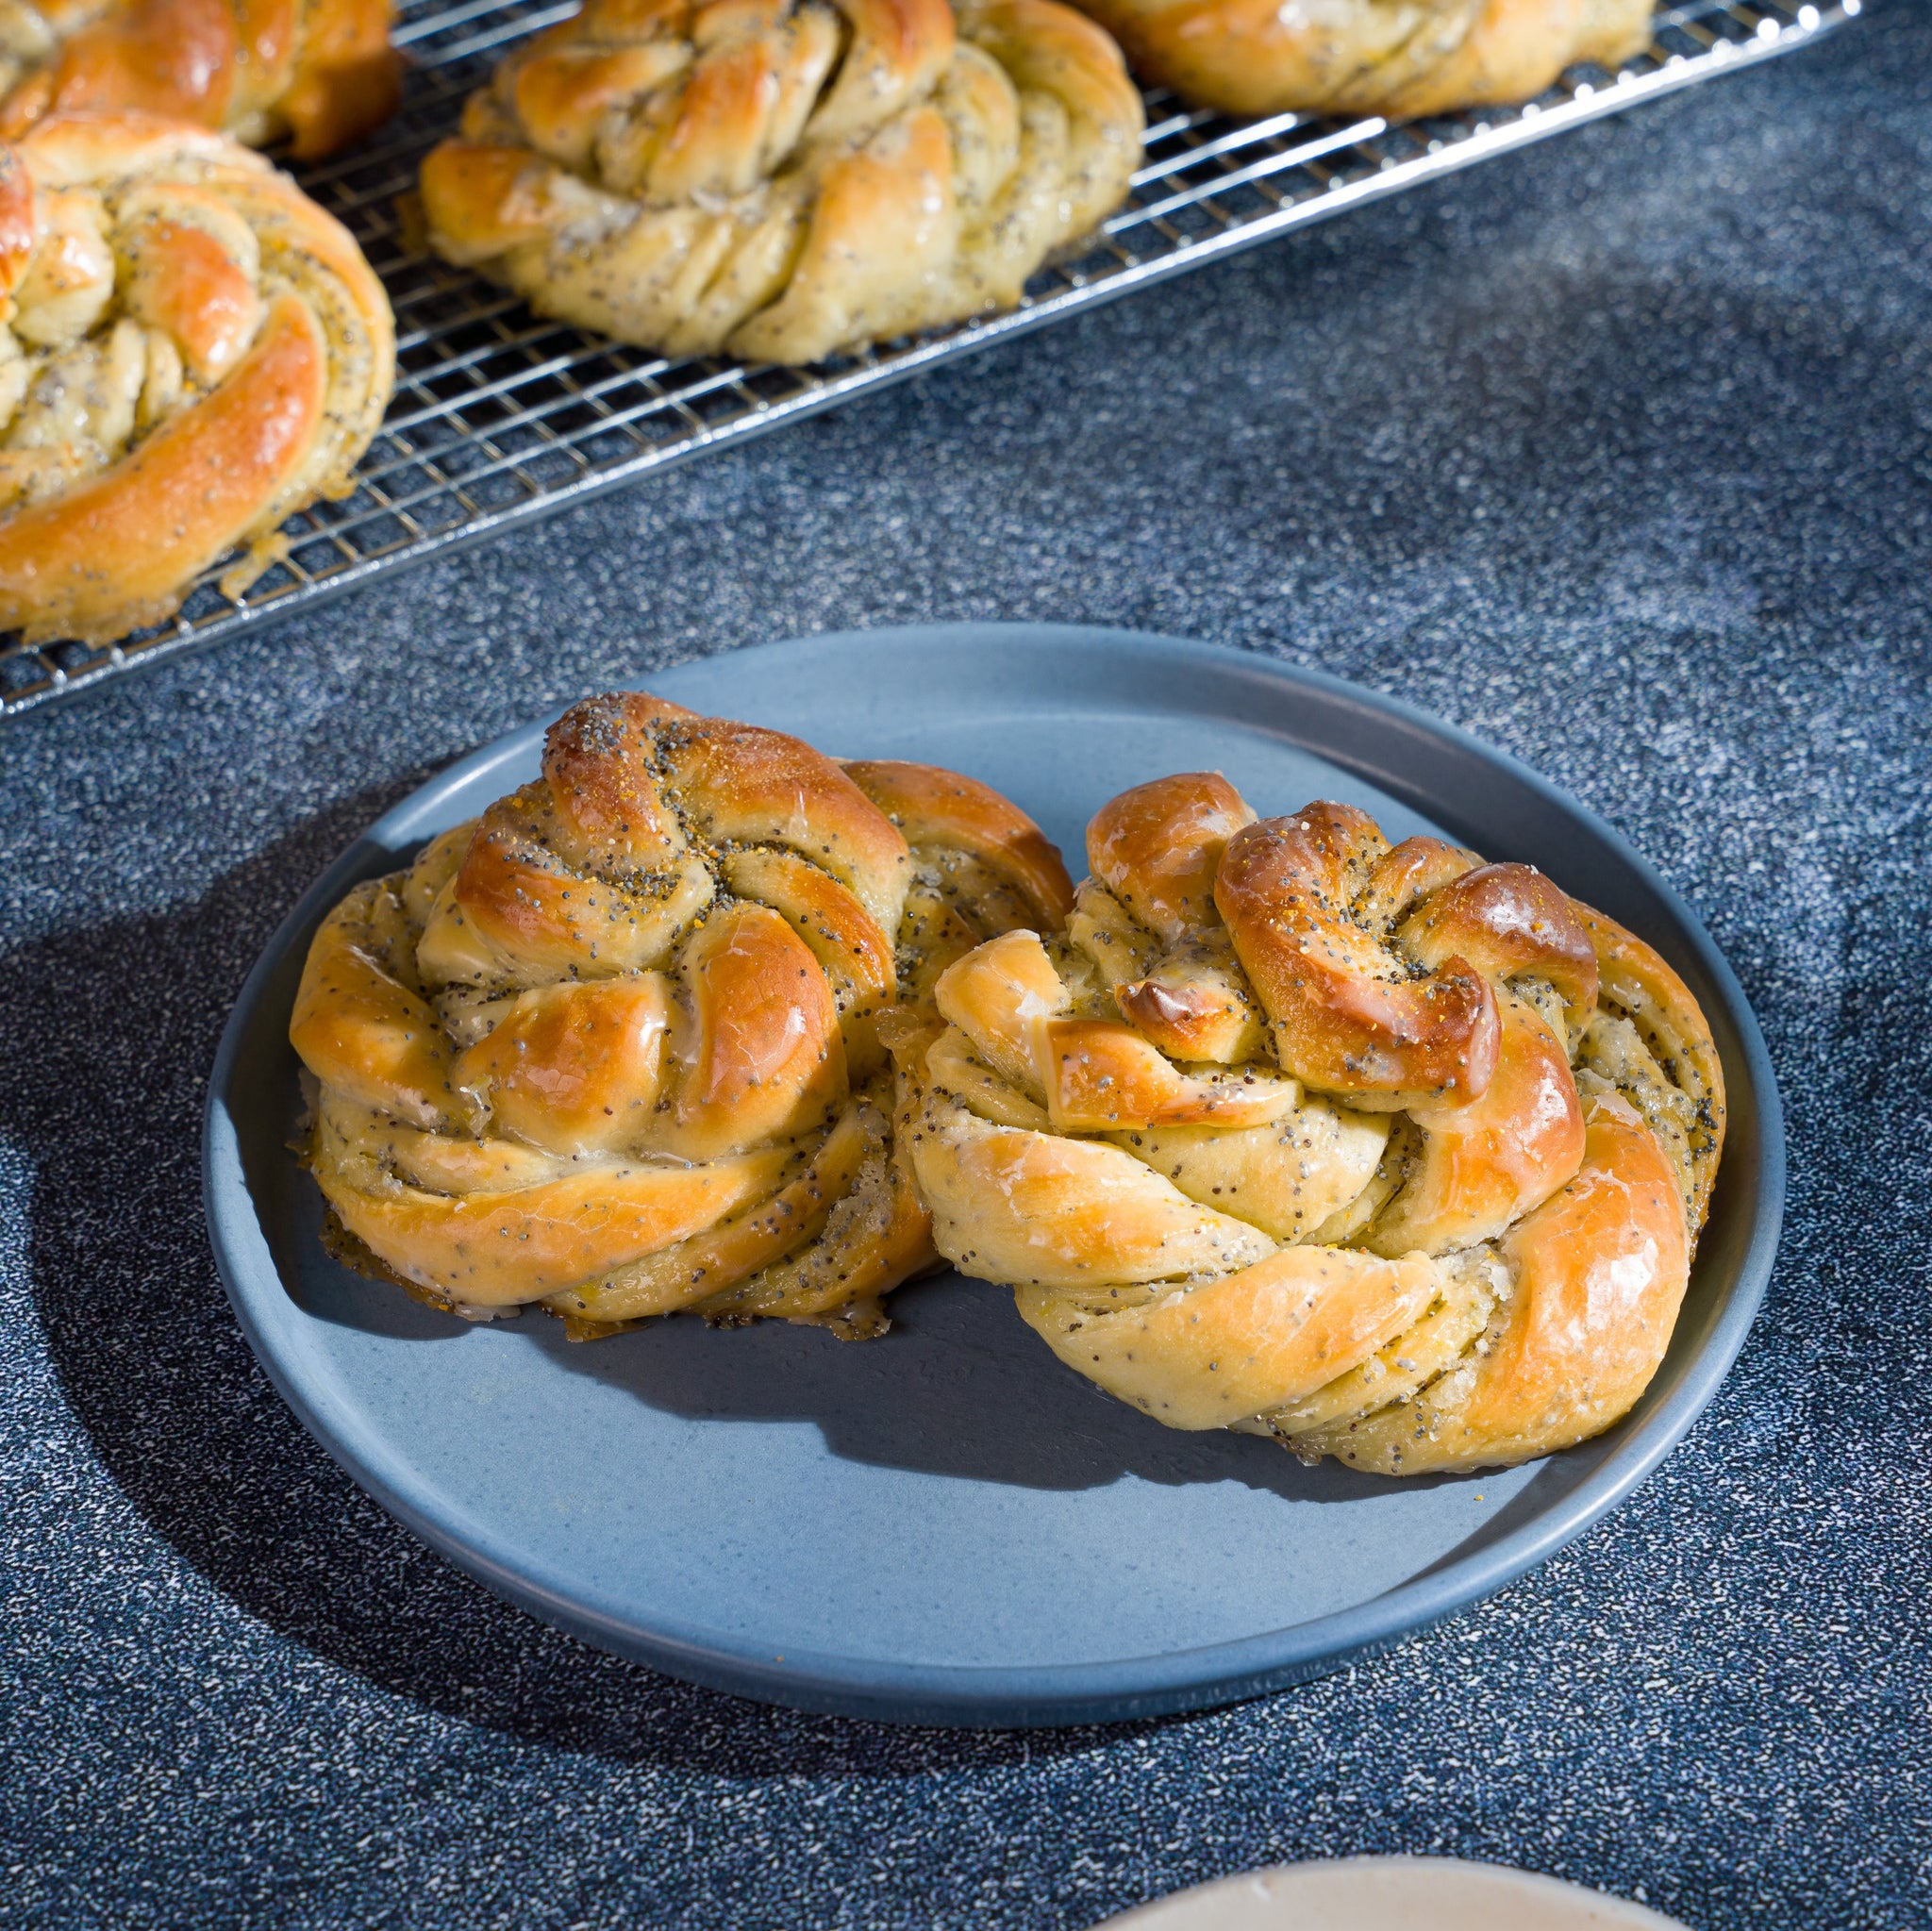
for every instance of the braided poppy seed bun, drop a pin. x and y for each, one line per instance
(318, 74)
(613, 1047)
(1399, 59)
(1386, 1153)
(191, 350)
(779, 179)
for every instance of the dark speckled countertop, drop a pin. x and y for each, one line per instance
(1615, 451)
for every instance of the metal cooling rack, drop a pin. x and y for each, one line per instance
(500, 418)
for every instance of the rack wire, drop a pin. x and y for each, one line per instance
(500, 417)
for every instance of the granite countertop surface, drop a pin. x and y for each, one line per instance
(1615, 451)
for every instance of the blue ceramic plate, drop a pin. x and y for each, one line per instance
(945, 1525)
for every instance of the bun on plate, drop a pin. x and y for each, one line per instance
(1381, 1150)
(613, 1047)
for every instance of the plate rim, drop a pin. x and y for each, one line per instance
(1170, 1910)
(1043, 1695)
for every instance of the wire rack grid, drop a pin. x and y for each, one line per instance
(500, 417)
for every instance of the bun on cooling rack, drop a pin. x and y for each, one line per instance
(1386, 1153)
(784, 179)
(190, 351)
(1399, 59)
(318, 72)
(613, 1047)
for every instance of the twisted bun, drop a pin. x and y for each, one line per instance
(318, 72)
(1385, 1152)
(1399, 59)
(613, 1047)
(783, 178)
(190, 351)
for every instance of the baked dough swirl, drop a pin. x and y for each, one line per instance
(190, 351)
(1399, 59)
(317, 73)
(1386, 1153)
(783, 178)
(613, 1047)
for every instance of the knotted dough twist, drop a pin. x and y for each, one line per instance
(318, 72)
(611, 1047)
(783, 178)
(190, 351)
(1390, 1154)
(1399, 59)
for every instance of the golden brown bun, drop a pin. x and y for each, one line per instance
(783, 178)
(319, 72)
(1428, 1202)
(1398, 58)
(191, 350)
(613, 1046)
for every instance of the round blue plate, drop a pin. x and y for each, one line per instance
(945, 1525)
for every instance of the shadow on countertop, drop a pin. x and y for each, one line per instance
(188, 1427)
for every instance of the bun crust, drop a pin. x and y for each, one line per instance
(1398, 58)
(613, 1047)
(1435, 1207)
(317, 73)
(779, 179)
(191, 350)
